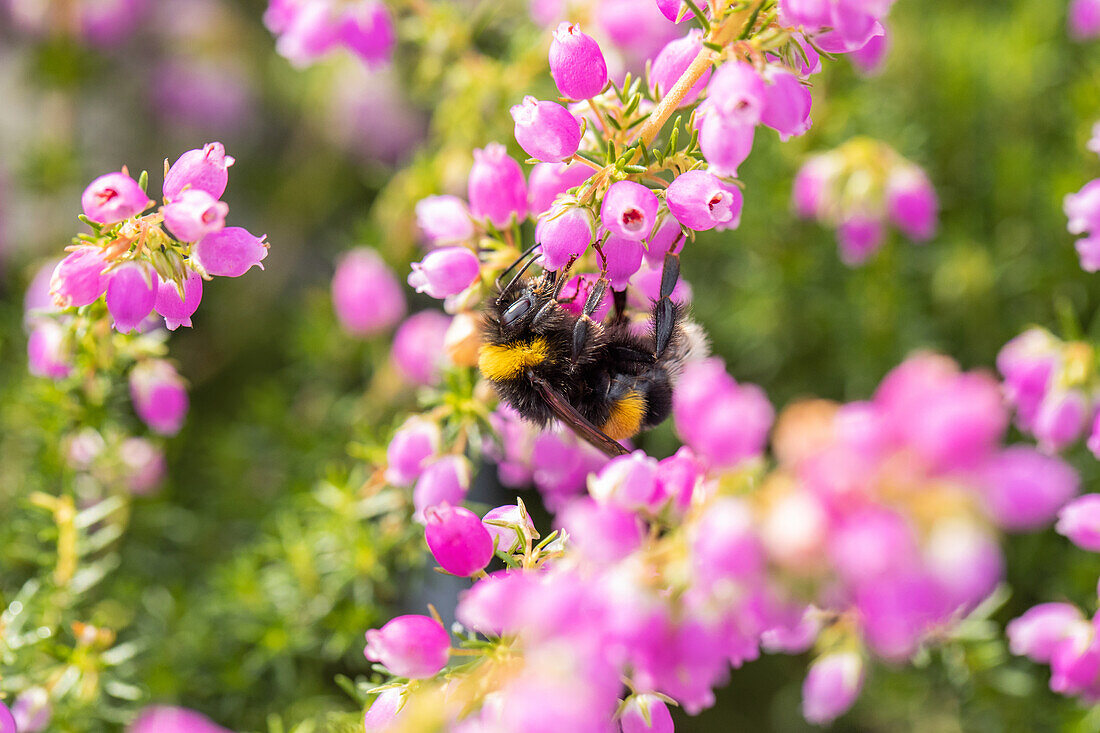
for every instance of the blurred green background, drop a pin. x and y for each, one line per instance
(245, 585)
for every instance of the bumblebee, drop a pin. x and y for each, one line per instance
(601, 379)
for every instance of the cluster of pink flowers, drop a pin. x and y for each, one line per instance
(1083, 212)
(859, 188)
(1051, 386)
(307, 30)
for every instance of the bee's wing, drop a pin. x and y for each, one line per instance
(580, 425)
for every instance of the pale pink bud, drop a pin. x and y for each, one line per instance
(444, 219)
(725, 144)
(32, 711)
(112, 198)
(205, 169)
(673, 61)
(1042, 628)
(576, 63)
(700, 201)
(1080, 522)
(177, 311)
(812, 183)
(736, 93)
(564, 233)
(384, 712)
(46, 353)
(624, 258)
(786, 103)
(496, 189)
(419, 347)
(411, 449)
(832, 686)
(131, 294)
(629, 210)
(911, 203)
(159, 396)
(1023, 489)
(366, 295)
(194, 214)
(144, 463)
(545, 130)
(445, 271)
(510, 527)
(548, 180)
(445, 480)
(646, 714)
(457, 539)
(230, 252)
(78, 279)
(416, 647)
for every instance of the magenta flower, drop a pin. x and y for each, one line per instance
(1028, 363)
(869, 59)
(724, 544)
(1083, 19)
(548, 180)
(673, 61)
(305, 31)
(1062, 417)
(1042, 629)
(786, 103)
(724, 144)
(679, 477)
(177, 311)
(131, 294)
(112, 198)
(575, 292)
(366, 29)
(871, 544)
(911, 203)
(1024, 489)
(629, 210)
(628, 481)
(384, 711)
(545, 130)
(646, 713)
(159, 396)
(576, 63)
(458, 540)
(7, 721)
(671, 8)
(78, 279)
(444, 219)
(46, 353)
(230, 252)
(416, 647)
(194, 214)
(667, 236)
(510, 527)
(723, 421)
(418, 347)
(811, 186)
(205, 169)
(496, 189)
(564, 233)
(1079, 520)
(167, 719)
(32, 711)
(737, 93)
(832, 686)
(624, 258)
(445, 271)
(445, 480)
(700, 201)
(366, 295)
(411, 449)
(858, 237)
(812, 14)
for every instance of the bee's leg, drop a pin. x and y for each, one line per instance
(664, 312)
(580, 330)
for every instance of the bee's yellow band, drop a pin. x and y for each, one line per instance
(626, 417)
(510, 361)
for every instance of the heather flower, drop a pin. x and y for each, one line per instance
(384, 711)
(680, 478)
(646, 713)
(1083, 19)
(564, 233)
(159, 396)
(37, 300)
(576, 63)
(545, 130)
(78, 279)
(131, 294)
(1093, 442)
(561, 464)
(445, 271)
(1079, 520)
(737, 94)
(7, 721)
(869, 59)
(177, 311)
(624, 258)
(811, 186)
(444, 219)
(831, 686)
(724, 544)
(1028, 363)
(786, 103)
(1088, 251)
(445, 480)
(205, 169)
(167, 719)
(628, 481)
(366, 295)
(668, 236)
(510, 527)
(911, 202)
(859, 236)
(367, 30)
(1023, 489)
(673, 61)
(1061, 419)
(411, 449)
(46, 353)
(418, 347)
(230, 252)
(1083, 209)
(548, 180)
(1042, 629)
(700, 201)
(144, 465)
(458, 540)
(194, 214)
(725, 144)
(32, 711)
(112, 198)
(410, 646)
(496, 189)
(629, 210)
(721, 420)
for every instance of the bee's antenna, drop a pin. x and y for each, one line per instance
(516, 278)
(526, 253)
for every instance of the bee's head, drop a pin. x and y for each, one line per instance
(515, 308)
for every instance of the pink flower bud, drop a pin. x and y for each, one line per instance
(547, 180)
(144, 463)
(679, 478)
(673, 61)
(628, 481)
(1083, 209)
(576, 63)
(384, 712)
(306, 31)
(445, 271)
(418, 347)
(736, 93)
(668, 236)
(205, 169)
(869, 59)
(624, 258)
(563, 233)
(492, 604)
(1062, 417)
(859, 237)
(131, 294)
(1088, 252)
(724, 144)
(166, 719)
(444, 219)
(831, 686)
(510, 527)
(1075, 663)
(496, 189)
(1023, 489)
(1028, 363)
(722, 421)
(410, 450)
(911, 203)
(1080, 522)
(78, 279)
(112, 198)
(416, 647)
(786, 103)
(700, 201)
(32, 711)
(177, 311)
(601, 533)
(629, 210)
(1083, 19)
(458, 540)
(871, 543)
(445, 480)
(366, 29)
(965, 560)
(159, 396)
(724, 545)
(194, 214)
(1042, 628)
(810, 193)
(546, 130)
(46, 353)
(366, 295)
(646, 713)
(230, 252)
